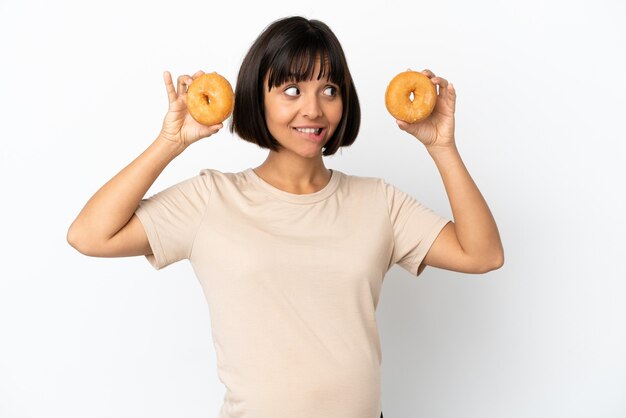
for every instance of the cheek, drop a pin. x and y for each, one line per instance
(335, 114)
(278, 114)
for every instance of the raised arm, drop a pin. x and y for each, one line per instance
(470, 244)
(107, 226)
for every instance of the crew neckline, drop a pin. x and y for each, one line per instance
(317, 196)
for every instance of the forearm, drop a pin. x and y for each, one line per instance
(474, 224)
(112, 206)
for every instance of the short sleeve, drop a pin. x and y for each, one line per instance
(172, 217)
(415, 228)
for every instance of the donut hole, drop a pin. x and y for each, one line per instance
(412, 96)
(208, 99)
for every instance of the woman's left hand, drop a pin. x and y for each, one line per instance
(438, 128)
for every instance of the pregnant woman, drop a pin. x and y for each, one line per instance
(291, 255)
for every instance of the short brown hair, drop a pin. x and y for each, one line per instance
(287, 50)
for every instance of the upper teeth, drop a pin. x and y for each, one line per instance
(309, 130)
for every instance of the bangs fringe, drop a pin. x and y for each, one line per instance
(301, 65)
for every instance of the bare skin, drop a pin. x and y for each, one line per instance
(107, 225)
(472, 242)
(298, 167)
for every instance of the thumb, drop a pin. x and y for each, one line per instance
(211, 130)
(402, 124)
(205, 131)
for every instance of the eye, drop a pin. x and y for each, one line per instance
(332, 89)
(292, 91)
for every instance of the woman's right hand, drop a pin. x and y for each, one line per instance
(178, 125)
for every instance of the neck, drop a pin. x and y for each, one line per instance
(300, 176)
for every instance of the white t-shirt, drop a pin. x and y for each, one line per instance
(292, 283)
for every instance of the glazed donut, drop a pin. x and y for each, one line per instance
(398, 96)
(210, 99)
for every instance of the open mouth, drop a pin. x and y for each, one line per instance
(312, 134)
(314, 131)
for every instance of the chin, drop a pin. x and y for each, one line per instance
(312, 154)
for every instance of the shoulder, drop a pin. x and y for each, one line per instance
(213, 176)
(355, 180)
(379, 187)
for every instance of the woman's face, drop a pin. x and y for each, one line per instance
(303, 116)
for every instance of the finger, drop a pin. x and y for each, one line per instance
(198, 74)
(183, 82)
(428, 73)
(169, 86)
(216, 128)
(211, 130)
(451, 92)
(441, 82)
(402, 124)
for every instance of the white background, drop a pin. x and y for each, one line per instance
(540, 99)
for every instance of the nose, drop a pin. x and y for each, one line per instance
(311, 106)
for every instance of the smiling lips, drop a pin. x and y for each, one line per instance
(316, 131)
(312, 133)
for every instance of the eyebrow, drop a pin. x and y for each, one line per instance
(293, 79)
